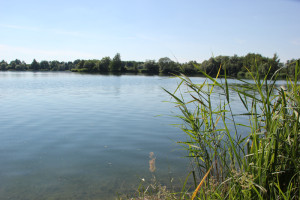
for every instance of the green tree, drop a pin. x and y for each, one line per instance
(104, 64)
(15, 65)
(62, 66)
(253, 61)
(274, 63)
(69, 65)
(76, 62)
(164, 63)
(89, 65)
(80, 64)
(235, 65)
(151, 66)
(116, 63)
(54, 65)
(211, 66)
(167, 66)
(21, 66)
(44, 65)
(34, 65)
(290, 66)
(189, 68)
(12, 65)
(3, 65)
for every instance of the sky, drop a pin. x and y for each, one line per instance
(183, 30)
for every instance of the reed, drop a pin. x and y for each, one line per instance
(264, 164)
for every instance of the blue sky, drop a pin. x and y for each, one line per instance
(148, 29)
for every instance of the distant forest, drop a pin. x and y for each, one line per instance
(235, 66)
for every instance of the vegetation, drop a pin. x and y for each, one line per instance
(263, 164)
(235, 66)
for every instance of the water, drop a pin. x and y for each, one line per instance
(79, 136)
(75, 136)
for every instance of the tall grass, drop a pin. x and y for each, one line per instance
(264, 163)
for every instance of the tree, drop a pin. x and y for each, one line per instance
(21, 66)
(290, 66)
(3, 65)
(235, 65)
(189, 68)
(80, 64)
(166, 65)
(116, 63)
(44, 65)
(34, 65)
(16, 65)
(54, 65)
(12, 65)
(211, 66)
(89, 65)
(104, 64)
(274, 64)
(252, 61)
(76, 62)
(69, 65)
(151, 66)
(62, 66)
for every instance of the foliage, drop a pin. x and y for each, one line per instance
(3, 65)
(115, 64)
(34, 65)
(90, 65)
(189, 68)
(103, 65)
(233, 65)
(265, 163)
(167, 66)
(151, 66)
(290, 67)
(44, 65)
(54, 65)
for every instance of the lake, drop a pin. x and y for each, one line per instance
(80, 136)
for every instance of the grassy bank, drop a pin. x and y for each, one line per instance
(264, 164)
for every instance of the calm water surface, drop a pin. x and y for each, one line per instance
(79, 136)
(74, 136)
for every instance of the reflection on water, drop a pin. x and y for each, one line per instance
(74, 136)
(78, 136)
(152, 167)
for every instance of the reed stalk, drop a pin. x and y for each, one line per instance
(264, 163)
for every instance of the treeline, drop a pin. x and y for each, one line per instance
(235, 66)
